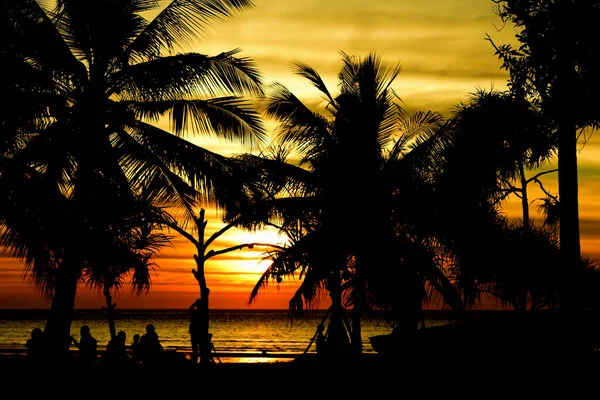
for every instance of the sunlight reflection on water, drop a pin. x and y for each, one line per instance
(234, 331)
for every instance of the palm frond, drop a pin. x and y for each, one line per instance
(180, 22)
(188, 75)
(313, 76)
(415, 130)
(298, 125)
(228, 118)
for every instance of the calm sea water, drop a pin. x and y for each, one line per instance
(241, 331)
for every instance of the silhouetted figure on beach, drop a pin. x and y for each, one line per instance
(116, 350)
(87, 345)
(320, 340)
(134, 347)
(151, 351)
(36, 346)
(198, 328)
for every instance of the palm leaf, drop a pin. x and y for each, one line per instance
(188, 75)
(180, 22)
(229, 118)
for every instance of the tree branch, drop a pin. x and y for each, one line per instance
(545, 191)
(184, 233)
(220, 232)
(213, 253)
(535, 177)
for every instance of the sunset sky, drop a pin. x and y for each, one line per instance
(441, 47)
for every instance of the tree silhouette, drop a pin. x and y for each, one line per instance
(556, 64)
(203, 254)
(131, 247)
(99, 83)
(317, 201)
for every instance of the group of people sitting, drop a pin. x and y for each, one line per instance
(145, 349)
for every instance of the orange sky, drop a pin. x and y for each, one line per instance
(444, 56)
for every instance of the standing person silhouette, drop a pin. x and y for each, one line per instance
(320, 339)
(195, 330)
(87, 345)
(150, 348)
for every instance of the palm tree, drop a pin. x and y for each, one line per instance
(99, 89)
(319, 202)
(132, 244)
(519, 140)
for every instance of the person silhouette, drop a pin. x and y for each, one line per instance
(320, 339)
(116, 350)
(196, 328)
(135, 349)
(151, 350)
(87, 345)
(36, 345)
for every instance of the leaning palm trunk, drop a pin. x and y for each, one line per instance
(58, 326)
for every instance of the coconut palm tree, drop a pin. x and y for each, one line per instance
(100, 91)
(342, 170)
(130, 247)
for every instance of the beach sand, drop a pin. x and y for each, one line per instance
(479, 376)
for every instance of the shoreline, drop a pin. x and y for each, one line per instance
(225, 357)
(424, 374)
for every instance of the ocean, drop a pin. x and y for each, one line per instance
(234, 331)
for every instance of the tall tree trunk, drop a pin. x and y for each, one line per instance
(58, 326)
(337, 335)
(109, 312)
(205, 347)
(570, 249)
(358, 310)
(522, 291)
(524, 196)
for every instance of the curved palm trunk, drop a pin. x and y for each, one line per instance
(58, 326)
(109, 312)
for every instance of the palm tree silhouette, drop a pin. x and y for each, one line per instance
(318, 201)
(98, 91)
(135, 239)
(520, 140)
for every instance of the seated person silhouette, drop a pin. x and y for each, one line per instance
(116, 350)
(135, 349)
(36, 346)
(320, 340)
(87, 345)
(151, 351)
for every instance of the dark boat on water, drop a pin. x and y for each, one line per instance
(508, 333)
